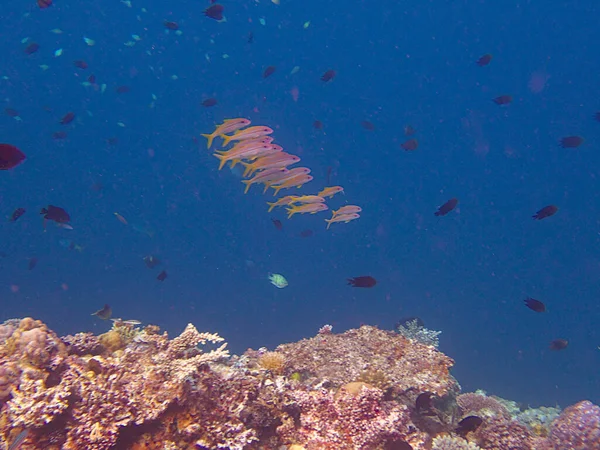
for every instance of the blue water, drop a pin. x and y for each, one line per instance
(397, 64)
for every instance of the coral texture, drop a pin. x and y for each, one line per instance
(577, 428)
(501, 434)
(453, 443)
(481, 405)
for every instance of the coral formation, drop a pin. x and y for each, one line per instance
(134, 388)
(414, 331)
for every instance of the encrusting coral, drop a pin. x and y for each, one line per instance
(133, 388)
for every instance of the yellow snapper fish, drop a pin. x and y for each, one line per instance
(341, 218)
(244, 153)
(248, 133)
(264, 177)
(348, 209)
(228, 126)
(310, 208)
(296, 181)
(283, 201)
(330, 191)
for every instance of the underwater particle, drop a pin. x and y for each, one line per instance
(546, 211)
(32, 263)
(32, 48)
(89, 42)
(16, 214)
(162, 276)
(277, 224)
(58, 135)
(296, 69)
(318, 125)
(571, 141)
(151, 261)
(328, 76)
(10, 156)
(278, 280)
(306, 233)
(467, 425)
(558, 344)
(367, 125)
(410, 145)
(58, 52)
(484, 60)
(11, 112)
(362, 281)
(209, 102)
(44, 66)
(446, 207)
(123, 89)
(597, 116)
(67, 118)
(270, 70)
(215, 11)
(171, 25)
(306, 24)
(105, 313)
(535, 305)
(409, 130)
(262, 21)
(503, 100)
(56, 31)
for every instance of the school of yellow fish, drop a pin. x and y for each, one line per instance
(267, 164)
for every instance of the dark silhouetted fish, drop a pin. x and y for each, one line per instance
(447, 207)
(10, 156)
(546, 211)
(328, 76)
(56, 214)
(105, 313)
(468, 424)
(151, 261)
(16, 214)
(162, 276)
(535, 305)
(484, 60)
(424, 404)
(571, 141)
(558, 344)
(362, 282)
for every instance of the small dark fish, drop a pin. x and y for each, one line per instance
(318, 124)
(162, 276)
(81, 64)
(503, 100)
(58, 135)
(105, 313)
(362, 282)
(306, 233)
(535, 305)
(597, 116)
(447, 207)
(10, 156)
(571, 141)
(424, 404)
(546, 211)
(410, 145)
(16, 444)
(468, 424)
(92, 79)
(270, 70)
(215, 11)
(56, 214)
(209, 102)
(328, 76)
(405, 320)
(171, 25)
(484, 60)
(67, 118)
(250, 38)
(367, 125)
(43, 4)
(11, 112)
(32, 263)
(16, 214)
(32, 48)
(558, 344)
(123, 89)
(151, 261)
(397, 444)
(277, 223)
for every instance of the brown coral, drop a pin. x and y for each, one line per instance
(501, 434)
(577, 428)
(342, 358)
(472, 403)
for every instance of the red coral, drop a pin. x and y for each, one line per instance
(577, 428)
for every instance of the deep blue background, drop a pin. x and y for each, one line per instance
(409, 63)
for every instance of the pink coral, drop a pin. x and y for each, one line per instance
(501, 434)
(481, 405)
(577, 428)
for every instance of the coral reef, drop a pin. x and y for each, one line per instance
(414, 331)
(134, 388)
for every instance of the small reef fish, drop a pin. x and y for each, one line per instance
(558, 344)
(348, 209)
(310, 208)
(535, 305)
(305, 199)
(16, 214)
(446, 207)
(362, 282)
(341, 218)
(56, 214)
(468, 425)
(130, 322)
(265, 177)
(228, 126)
(105, 313)
(162, 276)
(278, 280)
(120, 218)
(248, 133)
(280, 159)
(283, 201)
(296, 181)
(151, 261)
(546, 211)
(246, 153)
(330, 191)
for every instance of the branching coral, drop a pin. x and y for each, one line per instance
(414, 331)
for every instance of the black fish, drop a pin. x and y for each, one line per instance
(546, 211)
(151, 261)
(55, 213)
(424, 404)
(468, 424)
(571, 141)
(558, 344)
(397, 444)
(277, 223)
(484, 60)
(162, 276)
(447, 207)
(535, 305)
(16, 214)
(105, 313)
(362, 282)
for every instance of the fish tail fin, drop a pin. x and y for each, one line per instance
(248, 169)
(221, 158)
(248, 183)
(291, 212)
(277, 189)
(235, 162)
(267, 186)
(226, 139)
(271, 206)
(210, 138)
(329, 222)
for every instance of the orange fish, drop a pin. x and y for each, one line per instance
(341, 218)
(228, 126)
(283, 201)
(264, 177)
(311, 208)
(348, 209)
(330, 191)
(297, 181)
(248, 133)
(245, 153)
(280, 159)
(306, 199)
